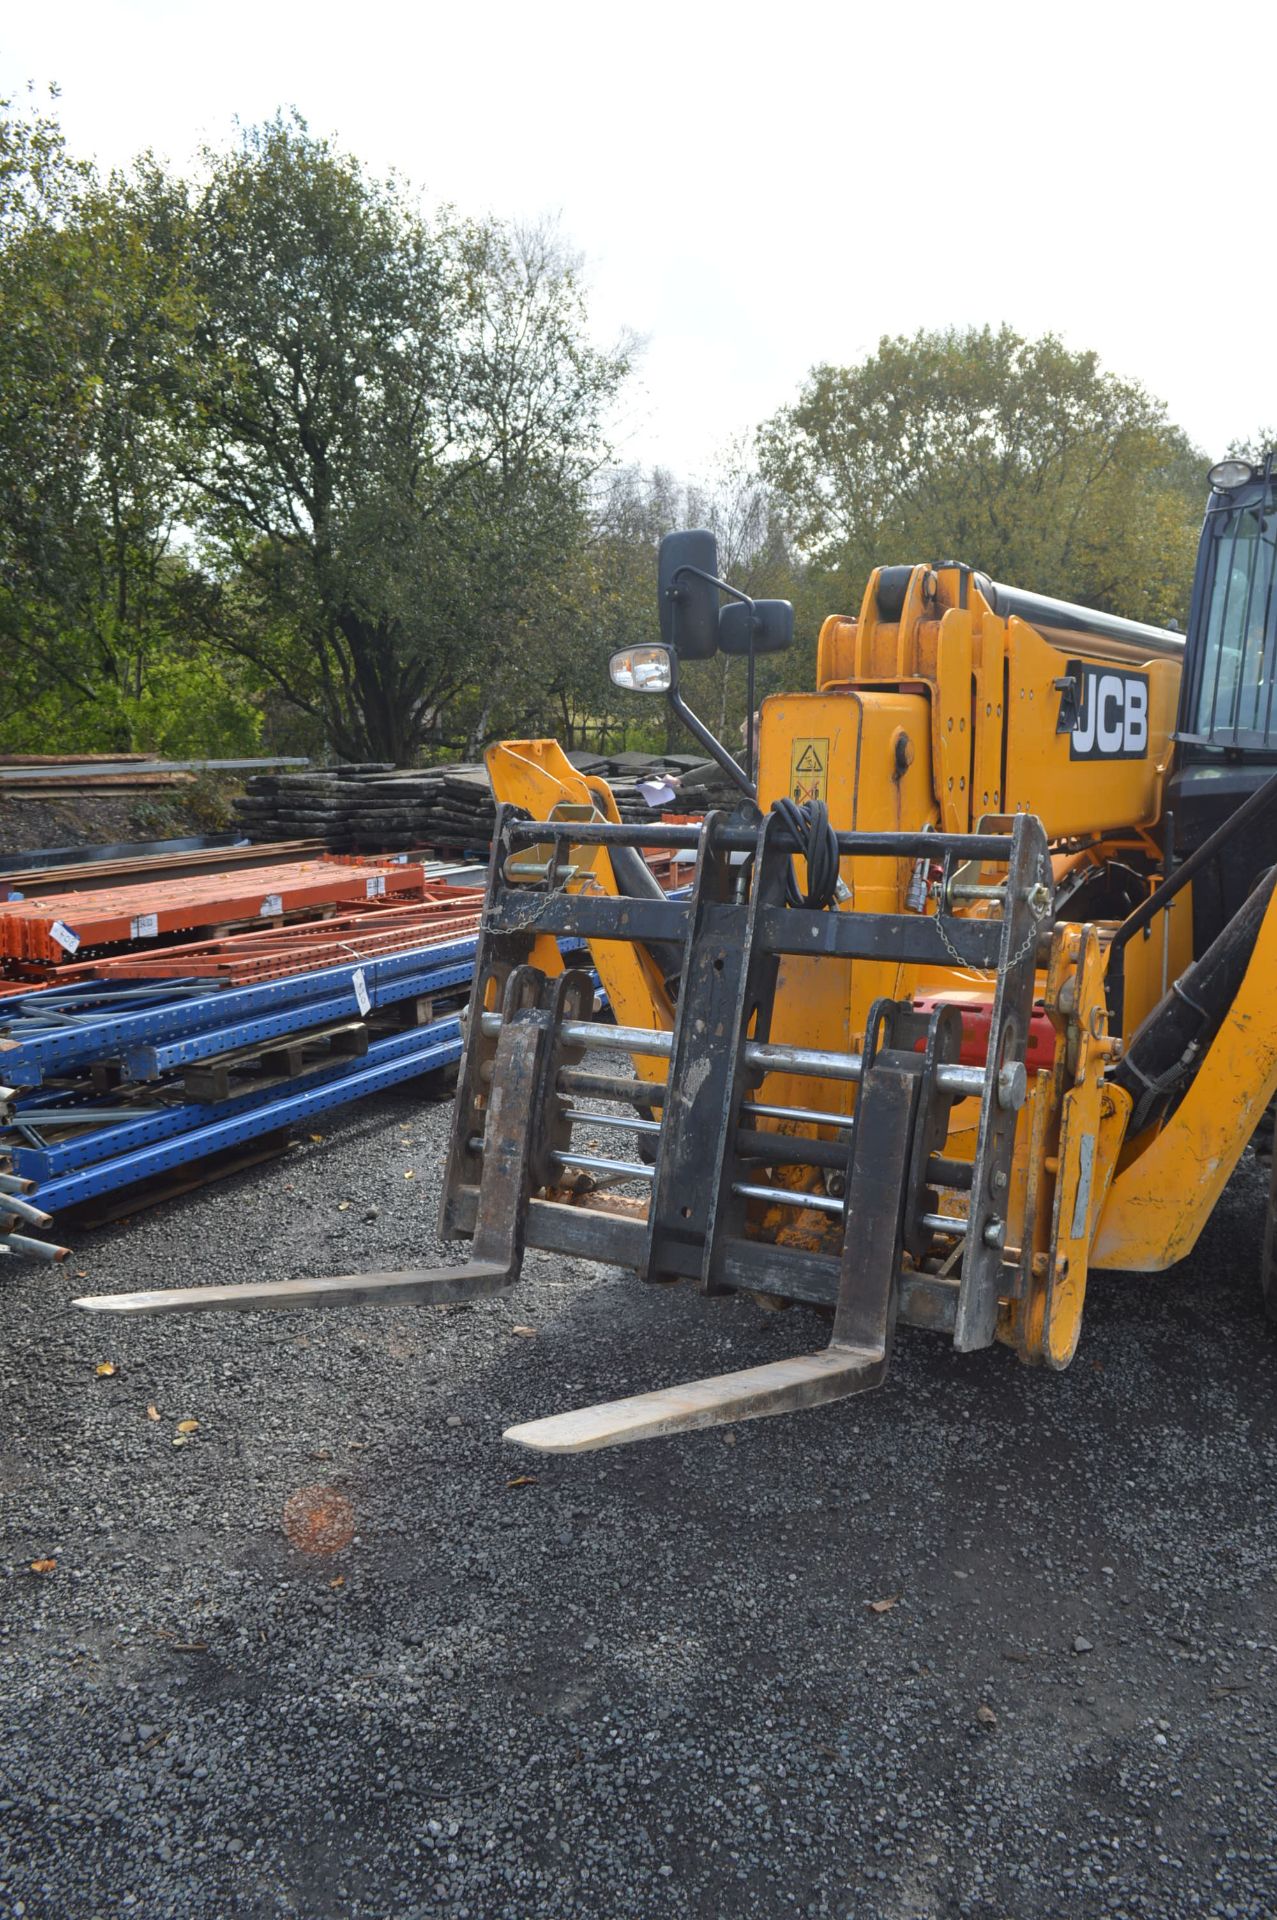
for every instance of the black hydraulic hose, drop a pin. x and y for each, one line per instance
(1166, 1048)
(818, 844)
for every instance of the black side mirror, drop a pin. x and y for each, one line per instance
(689, 601)
(769, 623)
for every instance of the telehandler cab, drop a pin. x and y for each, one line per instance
(972, 991)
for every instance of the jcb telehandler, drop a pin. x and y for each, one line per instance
(972, 991)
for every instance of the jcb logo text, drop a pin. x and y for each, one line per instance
(1111, 718)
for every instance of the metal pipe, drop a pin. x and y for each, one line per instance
(13, 1183)
(591, 1033)
(734, 839)
(787, 1197)
(955, 1175)
(824, 1203)
(606, 1086)
(962, 1082)
(945, 1223)
(653, 1093)
(587, 1162)
(34, 1249)
(632, 1124)
(596, 1163)
(13, 1203)
(512, 872)
(976, 890)
(791, 1150)
(592, 833)
(808, 1116)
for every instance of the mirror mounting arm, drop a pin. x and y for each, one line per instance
(724, 586)
(685, 714)
(703, 737)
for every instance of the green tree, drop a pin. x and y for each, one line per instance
(740, 508)
(387, 428)
(89, 495)
(1254, 447)
(1022, 457)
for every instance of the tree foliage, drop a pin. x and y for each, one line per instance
(89, 492)
(1254, 447)
(386, 429)
(1019, 456)
(286, 461)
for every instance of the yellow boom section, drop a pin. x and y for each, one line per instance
(538, 776)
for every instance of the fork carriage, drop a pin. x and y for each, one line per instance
(724, 1159)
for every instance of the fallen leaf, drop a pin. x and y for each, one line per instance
(81, 1273)
(409, 1175)
(343, 1206)
(986, 1716)
(180, 1440)
(523, 1480)
(318, 1139)
(188, 1426)
(528, 1333)
(882, 1606)
(104, 1369)
(340, 1581)
(321, 1453)
(43, 1566)
(152, 1412)
(729, 1439)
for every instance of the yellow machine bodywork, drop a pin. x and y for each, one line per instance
(929, 1034)
(949, 717)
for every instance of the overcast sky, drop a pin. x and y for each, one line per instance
(756, 189)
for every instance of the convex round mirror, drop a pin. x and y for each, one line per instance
(642, 670)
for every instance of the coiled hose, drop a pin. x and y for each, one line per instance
(818, 844)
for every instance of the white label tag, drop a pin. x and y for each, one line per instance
(271, 904)
(145, 927)
(376, 885)
(68, 941)
(400, 859)
(363, 999)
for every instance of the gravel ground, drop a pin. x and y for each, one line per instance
(647, 1683)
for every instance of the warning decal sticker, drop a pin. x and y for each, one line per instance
(809, 769)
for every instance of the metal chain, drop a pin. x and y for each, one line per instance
(1030, 940)
(530, 898)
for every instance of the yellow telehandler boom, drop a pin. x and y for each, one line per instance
(971, 992)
